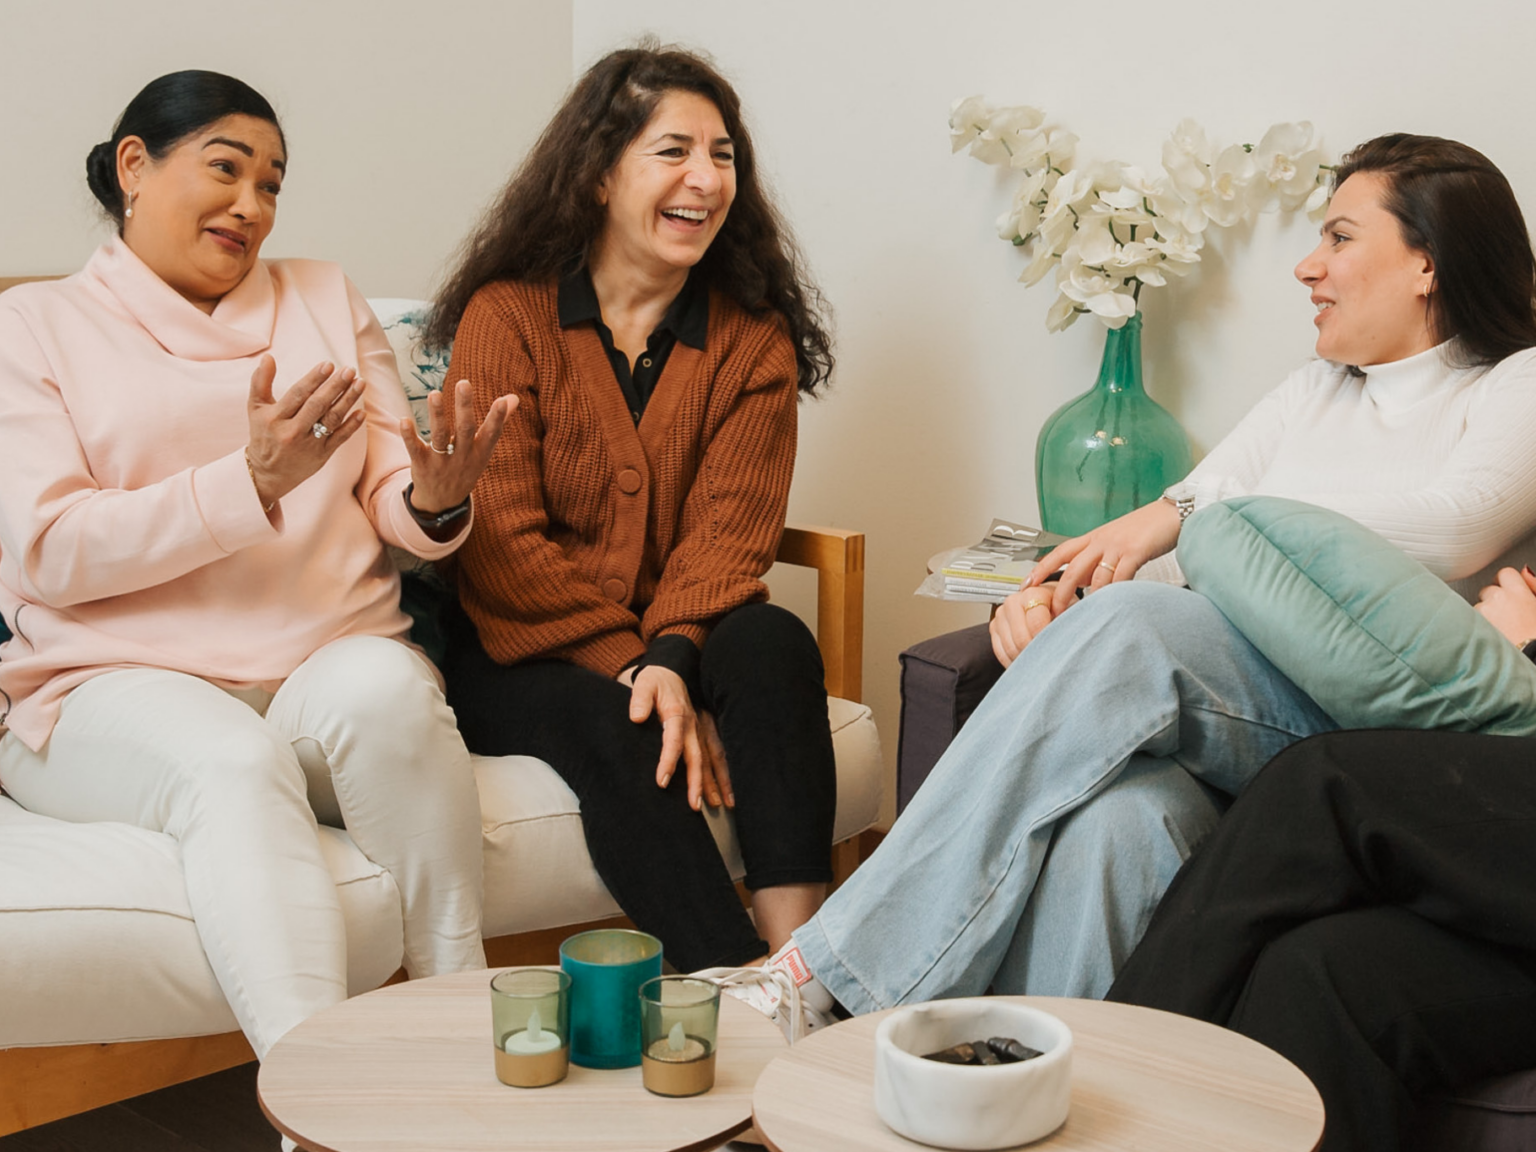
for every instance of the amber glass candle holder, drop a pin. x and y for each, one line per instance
(679, 1024)
(531, 1026)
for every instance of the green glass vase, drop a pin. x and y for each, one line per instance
(1112, 449)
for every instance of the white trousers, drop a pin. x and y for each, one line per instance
(360, 733)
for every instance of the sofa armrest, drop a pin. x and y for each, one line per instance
(942, 682)
(838, 557)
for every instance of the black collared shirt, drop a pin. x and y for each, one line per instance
(687, 319)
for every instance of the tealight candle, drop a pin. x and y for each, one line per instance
(530, 1025)
(679, 1016)
(531, 1040)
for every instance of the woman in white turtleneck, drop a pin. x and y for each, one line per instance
(1407, 421)
(1033, 856)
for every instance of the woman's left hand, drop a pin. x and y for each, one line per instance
(1108, 554)
(1510, 605)
(444, 467)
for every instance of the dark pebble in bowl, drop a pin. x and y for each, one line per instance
(997, 1050)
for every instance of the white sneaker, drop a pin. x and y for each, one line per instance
(774, 993)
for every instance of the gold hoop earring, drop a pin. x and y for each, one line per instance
(128, 211)
(1428, 288)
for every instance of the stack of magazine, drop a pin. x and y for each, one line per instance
(996, 565)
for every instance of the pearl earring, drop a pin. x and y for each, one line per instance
(128, 211)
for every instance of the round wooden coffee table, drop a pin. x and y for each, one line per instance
(1141, 1079)
(410, 1067)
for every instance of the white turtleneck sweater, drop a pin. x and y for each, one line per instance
(1439, 460)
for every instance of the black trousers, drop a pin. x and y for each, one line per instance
(762, 678)
(1367, 908)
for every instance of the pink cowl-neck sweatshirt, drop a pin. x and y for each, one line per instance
(131, 534)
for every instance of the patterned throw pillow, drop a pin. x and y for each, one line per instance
(422, 370)
(423, 595)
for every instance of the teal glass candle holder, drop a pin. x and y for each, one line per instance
(607, 968)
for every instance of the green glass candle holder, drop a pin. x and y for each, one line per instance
(679, 1030)
(530, 1026)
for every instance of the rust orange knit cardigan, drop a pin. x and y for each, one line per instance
(593, 536)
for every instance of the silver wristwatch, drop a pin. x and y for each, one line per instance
(1184, 504)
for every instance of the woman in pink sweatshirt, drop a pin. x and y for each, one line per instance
(202, 456)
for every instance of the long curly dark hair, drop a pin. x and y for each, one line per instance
(547, 219)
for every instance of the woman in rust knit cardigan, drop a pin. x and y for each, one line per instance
(637, 293)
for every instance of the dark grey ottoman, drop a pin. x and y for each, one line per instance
(942, 681)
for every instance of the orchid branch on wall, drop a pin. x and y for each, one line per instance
(1109, 229)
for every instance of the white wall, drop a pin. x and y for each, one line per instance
(402, 118)
(946, 371)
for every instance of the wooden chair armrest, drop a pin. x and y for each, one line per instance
(838, 557)
(12, 281)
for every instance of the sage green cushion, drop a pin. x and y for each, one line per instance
(1365, 630)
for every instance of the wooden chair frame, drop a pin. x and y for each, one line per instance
(48, 1083)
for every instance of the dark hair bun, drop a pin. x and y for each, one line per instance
(101, 177)
(167, 111)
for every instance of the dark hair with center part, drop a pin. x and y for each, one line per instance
(165, 113)
(1452, 203)
(548, 217)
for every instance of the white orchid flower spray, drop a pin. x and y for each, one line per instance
(1110, 229)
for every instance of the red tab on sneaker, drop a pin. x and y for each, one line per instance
(793, 963)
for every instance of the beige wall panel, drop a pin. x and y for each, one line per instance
(402, 118)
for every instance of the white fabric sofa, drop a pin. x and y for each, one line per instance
(104, 989)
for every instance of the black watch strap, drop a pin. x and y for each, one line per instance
(430, 520)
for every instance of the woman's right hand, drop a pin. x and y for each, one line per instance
(1018, 620)
(1108, 554)
(284, 451)
(660, 690)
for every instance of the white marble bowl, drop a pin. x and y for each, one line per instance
(959, 1106)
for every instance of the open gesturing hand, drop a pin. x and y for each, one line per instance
(445, 466)
(292, 438)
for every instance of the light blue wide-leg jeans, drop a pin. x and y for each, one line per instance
(1140, 676)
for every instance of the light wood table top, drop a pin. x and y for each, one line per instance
(411, 1067)
(1141, 1079)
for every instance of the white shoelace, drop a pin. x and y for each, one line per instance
(789, 993)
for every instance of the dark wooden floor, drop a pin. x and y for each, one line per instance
(218, 1113)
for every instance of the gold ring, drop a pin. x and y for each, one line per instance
(1110, 568)
(1028, 604)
